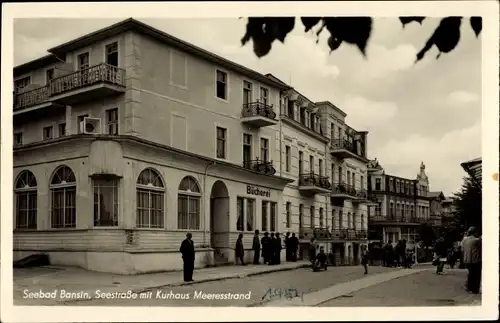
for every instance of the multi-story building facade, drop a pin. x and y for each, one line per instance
(127, 138)
(436, 200)
(400, 206)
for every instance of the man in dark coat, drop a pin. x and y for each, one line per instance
(288, 252)
(256, 248)
(278, 248)
(187, 251)
(240, 250)
(294, 245)
(272, 249)
(265, 243)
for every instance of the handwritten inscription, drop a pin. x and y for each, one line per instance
(282, 293)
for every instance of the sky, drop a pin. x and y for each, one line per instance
(429, 111)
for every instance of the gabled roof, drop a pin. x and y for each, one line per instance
(142, 28)
(438, 194)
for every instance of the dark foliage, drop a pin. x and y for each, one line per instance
(352, 30)
(427, 235)
(468, 205)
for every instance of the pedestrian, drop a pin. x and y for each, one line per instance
(265, 243)
(320, 260)
(441, 254)
(294, 246)
(399, 253)
(388, 254)
(312, 251)
(364, 257)
(239, 250)
(272, 249)
(278, 248)
(287, 247)
(256, 248)
(187, 251)
(472, 259)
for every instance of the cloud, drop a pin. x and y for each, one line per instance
(385, 61)
(459, 97)
(364, 114)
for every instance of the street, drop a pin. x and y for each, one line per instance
(413, 288)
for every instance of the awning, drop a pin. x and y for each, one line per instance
(474, 169)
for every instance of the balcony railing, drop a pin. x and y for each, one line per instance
(346, 149)
(361, 194)
(260, 166)
(258, 109)
(102, 73)
(343, 189)
(333, 234)
(315, 180)
(396, 219)
(31, 98)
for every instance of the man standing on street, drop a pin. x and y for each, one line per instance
(278, 249)
(265, 242)
(287, 247)
(272, 249)
(294, 245)
(187, 251)
(472, 260)
(256, 248)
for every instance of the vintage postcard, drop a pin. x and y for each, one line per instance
(163, 161)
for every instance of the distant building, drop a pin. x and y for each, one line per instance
(400, 205)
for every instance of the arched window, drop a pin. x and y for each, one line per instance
(63, 206)
(188, 204)
(26, 200)
(150, 199)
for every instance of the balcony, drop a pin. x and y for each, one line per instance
(343, 191)
(361, 196)
(436, 220)
(313, 183)
(87, 84)
(321, 234)
(258, 114)
(260, 166)
(395, 220)
(372, 200)
(342, 148)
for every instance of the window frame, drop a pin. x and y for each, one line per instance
(223, 140)
(112, 125)
(225, 82)
(30, 191)
(115, 210)
(67, 188)
(190, 196)
(151, 190)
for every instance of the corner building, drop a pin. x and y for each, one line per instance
(127, 138)
(399, 205)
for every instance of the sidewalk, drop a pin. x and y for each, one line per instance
(77, 280)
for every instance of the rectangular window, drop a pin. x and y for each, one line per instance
(301, 162)
(112, 121)
(321, 219)
(247, 150)
(105, 203)
(22, 83)
(354, 179)
(320, 166)
(362, 182)
(188, 211)
(264, 95)
(378, 184)
(18, 139)
(26, 209)
(221, 142)
(221, 85)
(287, 158)
(48, 133)
(150, 208)
(250, 214)
(311, 164)
(378, 209)
(80, 120)
(348, 178)
(290, 109)
(247, 92)
(239, 212)
(311, 212)
(391, 209)
(61, 130)
(264, 149)
(301, 215)
(332, 131)
(112, 54)
(49, 75)
(274, 211)
(288, 214)
(83, 61)
(264, 215)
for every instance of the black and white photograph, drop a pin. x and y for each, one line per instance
(268, 157)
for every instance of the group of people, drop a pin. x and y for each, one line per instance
(397, 256)
(269, 248)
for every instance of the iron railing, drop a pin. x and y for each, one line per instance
(343, 188)
(260, 166)
(101, 73)
(255, 109)
(397, 219)
(337, 143)
(333, 234)
(311, 179)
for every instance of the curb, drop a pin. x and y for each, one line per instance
(204, 280)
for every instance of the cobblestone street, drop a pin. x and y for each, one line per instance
(420, 289)
(301, 280)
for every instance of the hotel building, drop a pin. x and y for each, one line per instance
(401, 206)
(127, 138)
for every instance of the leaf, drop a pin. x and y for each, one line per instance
(476, 24)
(309, 22)
(334, 43)
(282, 26)
(265, 30)
(407, 20)
(445, 37)
(353, 30)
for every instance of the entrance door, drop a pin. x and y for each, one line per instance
(355, 247)
(219, 221)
